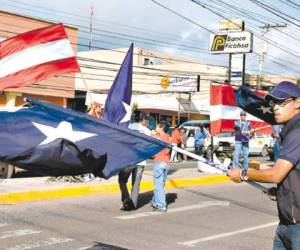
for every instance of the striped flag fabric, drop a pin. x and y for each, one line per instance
(224, 111)
(35, 55)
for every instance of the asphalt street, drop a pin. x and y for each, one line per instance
(219, 216)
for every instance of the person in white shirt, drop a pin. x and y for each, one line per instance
(131, 203)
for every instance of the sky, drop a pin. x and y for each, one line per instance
(154, 25)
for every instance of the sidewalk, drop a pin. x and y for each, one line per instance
(19, 190)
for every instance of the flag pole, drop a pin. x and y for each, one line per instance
(91, 26)
(86, 88)
(260, 128)
(218, 166)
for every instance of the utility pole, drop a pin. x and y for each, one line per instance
(263, 48)
(91, 26)
(178, 115)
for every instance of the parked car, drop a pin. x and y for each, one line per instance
(191, 127)
(195, 123)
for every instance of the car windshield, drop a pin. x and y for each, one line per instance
(225, 134)
(195, 123)
(260, 136)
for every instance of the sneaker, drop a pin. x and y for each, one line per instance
(159, 209)
(127, 205)
(122, 207)
(154, 206)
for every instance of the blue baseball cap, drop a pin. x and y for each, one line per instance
(243, 113)
(283, 90)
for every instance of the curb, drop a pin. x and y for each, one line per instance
(102, 188)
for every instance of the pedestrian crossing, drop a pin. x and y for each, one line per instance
(16, 237)
(40, 244)
(16, 233)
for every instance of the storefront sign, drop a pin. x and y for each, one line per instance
(231, 42)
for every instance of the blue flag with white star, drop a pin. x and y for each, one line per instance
(117, 106)
(254, 104)
(52, 140)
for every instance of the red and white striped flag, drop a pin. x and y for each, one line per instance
(224, 111)
(35, 55)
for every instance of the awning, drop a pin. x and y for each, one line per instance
(168, 102)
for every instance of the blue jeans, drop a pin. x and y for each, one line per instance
(160, 172)
(276, 151)
(287, 237)
(241, 148)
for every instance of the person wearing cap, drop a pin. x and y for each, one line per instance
(285, 102)
(136, 171)
(242, 129)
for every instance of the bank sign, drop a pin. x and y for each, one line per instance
(231, 42)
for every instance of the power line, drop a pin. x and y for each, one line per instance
(197, 2)
(96, 20)
(167, 59)
(102, 48)
(221, 15)
(294, 6)
(273, 11)
(106, 42)
(185, 18)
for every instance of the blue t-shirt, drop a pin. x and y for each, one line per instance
(241, 126)
(199, 137)
(288, 191)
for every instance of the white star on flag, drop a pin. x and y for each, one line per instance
(127, 116)
(265, 109)
(63, 130)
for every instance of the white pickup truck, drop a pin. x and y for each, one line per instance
(259, 144)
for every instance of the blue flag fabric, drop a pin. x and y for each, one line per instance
(254, 104)
(56, 141)
(117, 106)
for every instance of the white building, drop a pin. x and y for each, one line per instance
(163, 86)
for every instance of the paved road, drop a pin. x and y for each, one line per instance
(222, 216)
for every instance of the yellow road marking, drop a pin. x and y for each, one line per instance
(102, 188)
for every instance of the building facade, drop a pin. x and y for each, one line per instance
(166, 87)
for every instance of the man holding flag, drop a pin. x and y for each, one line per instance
(242, 130)
(284, 99)
(117, 110)
(136, 171)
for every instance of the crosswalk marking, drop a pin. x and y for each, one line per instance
(40, 244)
(174, 210)
(85, 248)
(15, 233)
(192, 243)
